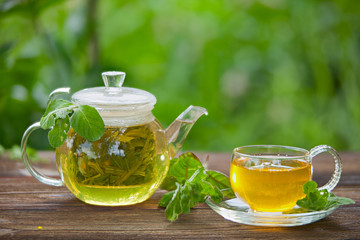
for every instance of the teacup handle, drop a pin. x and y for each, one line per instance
(337, 172)
(42, 178)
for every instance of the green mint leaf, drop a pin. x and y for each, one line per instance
(181, 169)
(342, 200)
(195, 190)
(334, 201)
(330, 204)
(183, 199)
(222, 182)
(186, 165)
(174, 208)
(191, 184)
(309, 186)
(169, 182)
(58, 109)
(207, 189)
(191, 193)
(166, 198)
(87, 122)
(57, 135)
(317, 200)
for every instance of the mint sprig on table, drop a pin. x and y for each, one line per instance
(317, 200)
(190, 183)
(61, 114)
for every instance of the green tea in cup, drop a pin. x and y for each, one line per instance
(270, 178)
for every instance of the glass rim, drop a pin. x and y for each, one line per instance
(299, 152)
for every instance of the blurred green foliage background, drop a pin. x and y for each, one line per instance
(269, 72)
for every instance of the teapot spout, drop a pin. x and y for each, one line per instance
(178, 130)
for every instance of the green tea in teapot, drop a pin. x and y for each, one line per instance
(110, 148)
(123, 163)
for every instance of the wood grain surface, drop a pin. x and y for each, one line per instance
(32, 210)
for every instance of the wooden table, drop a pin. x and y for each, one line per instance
(32, 210)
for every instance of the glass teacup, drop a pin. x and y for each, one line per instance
(270, 178)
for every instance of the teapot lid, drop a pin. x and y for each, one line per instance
(115, 97)
(117, 105)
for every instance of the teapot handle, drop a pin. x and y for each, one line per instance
(40, 177)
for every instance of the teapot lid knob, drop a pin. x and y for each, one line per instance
(113, 78)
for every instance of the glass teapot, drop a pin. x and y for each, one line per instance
(129, 162)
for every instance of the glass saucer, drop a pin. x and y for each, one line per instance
(238, 211)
